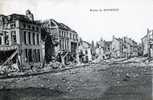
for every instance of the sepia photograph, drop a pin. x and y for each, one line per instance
(76, 49)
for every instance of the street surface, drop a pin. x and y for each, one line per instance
(120, 80)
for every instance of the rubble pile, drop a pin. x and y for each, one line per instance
(8, 69)
(98, 60)
(56, 65)
(135, 60)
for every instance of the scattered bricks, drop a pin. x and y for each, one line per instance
(56, 65)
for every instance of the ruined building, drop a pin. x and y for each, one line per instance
(107, 48)
(124, 47)
(130, 47)
(66, 37)
(84, 49)
(147, 44)
(117, 47)
(103, 48)
(20, 40)
(100, 49)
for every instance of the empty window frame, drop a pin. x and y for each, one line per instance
(24, 26)
(13, 37)
(33, 28)
(25, 37)
(29, 27)
(12, 25)
(30, 55)
(6, 38)
(26, 55)
(29, 37)
(37, 39)
(33, 36)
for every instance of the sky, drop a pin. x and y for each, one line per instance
(129, 18)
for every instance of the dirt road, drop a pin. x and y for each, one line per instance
(94, 82)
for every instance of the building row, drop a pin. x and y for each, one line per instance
(28, 42)
(117, 48)
(126, 47)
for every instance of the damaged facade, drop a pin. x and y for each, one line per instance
(66, 37)
(117, 48)
(103, 49)
(100, 48)
(130, 47)
(107, 48)
(124, 47)
(20, 40)
(147, 44)
(84, 51)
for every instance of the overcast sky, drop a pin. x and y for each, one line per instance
(132, 18)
